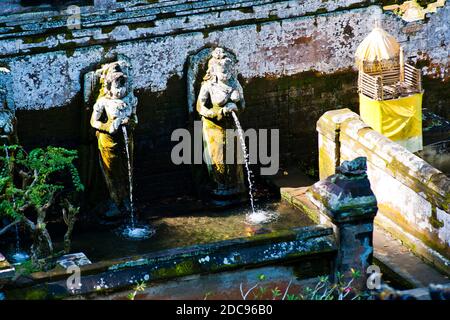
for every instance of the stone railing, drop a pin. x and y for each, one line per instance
(413, 197)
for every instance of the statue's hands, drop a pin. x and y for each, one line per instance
(210, 114)
(228, 108)
(235, 96)
(125, 121)
(115, 125)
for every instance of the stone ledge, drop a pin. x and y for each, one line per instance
(330, 122)
(395, 160)
(25, 35)
(271, 248)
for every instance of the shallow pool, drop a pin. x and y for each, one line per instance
(191, 228)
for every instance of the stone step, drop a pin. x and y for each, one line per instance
(398, 261)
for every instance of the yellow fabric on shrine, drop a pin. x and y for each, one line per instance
(399, 119)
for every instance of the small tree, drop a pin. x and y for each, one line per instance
(31, 184)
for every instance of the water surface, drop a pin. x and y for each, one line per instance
(190, 229)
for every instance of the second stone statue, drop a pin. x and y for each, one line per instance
(220, 95)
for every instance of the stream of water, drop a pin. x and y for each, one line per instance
(255, 217)
(133, 231)
(18, 256)
(246, 160)
(130, 175)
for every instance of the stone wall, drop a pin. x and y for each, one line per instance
(413, 197)
(295, 58)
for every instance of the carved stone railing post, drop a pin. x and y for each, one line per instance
(349, 205)
(329, 129)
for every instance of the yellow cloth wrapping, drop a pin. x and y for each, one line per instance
(399, 119)
(225, 174)
(114, 164)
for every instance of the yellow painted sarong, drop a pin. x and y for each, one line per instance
(398, 119)
(114, 164)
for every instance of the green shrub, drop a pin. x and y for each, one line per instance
(33, 183)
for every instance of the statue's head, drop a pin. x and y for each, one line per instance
(220, 67)
(224, 69)
(115, 81)
(6, 117)
(117, 85)
(218, 53)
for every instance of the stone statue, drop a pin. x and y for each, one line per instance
(7, 121)
(220, 95)
(8, 134)
(114, 110)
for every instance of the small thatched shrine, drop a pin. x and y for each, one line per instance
(390, 90)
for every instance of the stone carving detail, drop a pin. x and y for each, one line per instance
(114, 108)
(347, 200)
(7, 110)
(219, 95)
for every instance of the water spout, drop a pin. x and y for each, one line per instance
(256, 217)
(133, 231)
(18, 256)
(246, 160)
(130, 176)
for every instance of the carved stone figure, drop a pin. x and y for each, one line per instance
(7, 120)
(220, 95)
(7, 111)
(114, 110)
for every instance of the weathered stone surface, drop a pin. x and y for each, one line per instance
(326, 41)
(329, 126)
(411, 194)
(295, 60)
(272, 248)
(397, 262)
(346, 195)
(73, 259)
